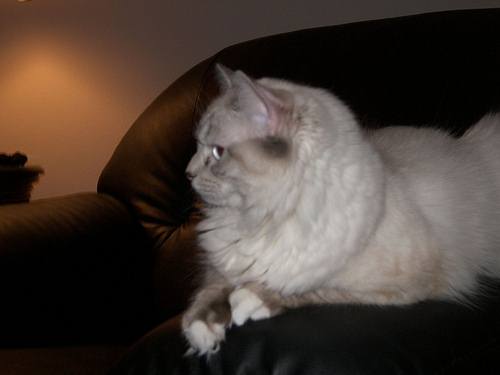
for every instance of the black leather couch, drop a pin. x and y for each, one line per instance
(82, 277)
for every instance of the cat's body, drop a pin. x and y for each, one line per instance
(303, 206)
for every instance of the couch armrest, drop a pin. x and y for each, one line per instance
(72, 269)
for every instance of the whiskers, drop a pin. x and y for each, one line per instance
(211, 225)
(226, 247)
(201, 232)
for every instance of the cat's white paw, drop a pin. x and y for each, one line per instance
(204, 338)
(245, 305)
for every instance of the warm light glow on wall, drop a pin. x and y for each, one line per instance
(64, 109)
(46, 79)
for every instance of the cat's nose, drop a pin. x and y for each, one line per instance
(191, 168)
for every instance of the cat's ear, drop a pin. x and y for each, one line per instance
(223, 75)
(260, 104)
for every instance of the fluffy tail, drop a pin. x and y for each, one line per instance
(483, 141)
(486, 132)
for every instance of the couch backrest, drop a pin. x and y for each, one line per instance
(439, 69)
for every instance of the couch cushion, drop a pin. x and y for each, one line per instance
(425, 338)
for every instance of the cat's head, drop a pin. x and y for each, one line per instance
(255, 135)
(243, 141)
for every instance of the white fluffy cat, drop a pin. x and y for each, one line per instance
(302, 206)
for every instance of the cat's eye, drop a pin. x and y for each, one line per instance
(217, 152)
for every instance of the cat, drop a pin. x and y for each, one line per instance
(303, 206)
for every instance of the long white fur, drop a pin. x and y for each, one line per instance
(395, 215)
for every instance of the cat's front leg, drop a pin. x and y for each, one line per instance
(253, 302)
(205, 321)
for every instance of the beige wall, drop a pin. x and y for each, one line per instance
(75, 74)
